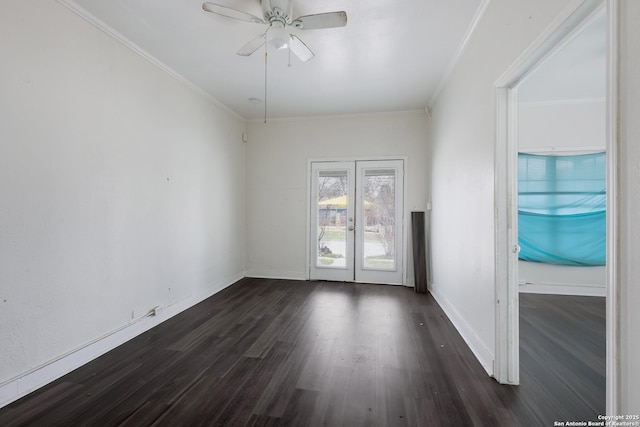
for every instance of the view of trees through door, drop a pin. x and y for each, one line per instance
(357, 220)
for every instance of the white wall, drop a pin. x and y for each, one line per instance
(561, 127)
(463, 136)
(535, 277)
(121, 189)
(629, 203)
(277, 157)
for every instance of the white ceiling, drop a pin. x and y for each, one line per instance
(391, 56)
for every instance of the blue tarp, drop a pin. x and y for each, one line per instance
(562, 209)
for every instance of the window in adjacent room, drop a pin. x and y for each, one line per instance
(562, 209)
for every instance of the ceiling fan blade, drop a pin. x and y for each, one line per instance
(252, 46)
(321, 20)
(300, 49)
(231, 13)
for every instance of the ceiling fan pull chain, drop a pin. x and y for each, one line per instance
(277, 16)
(266, 54)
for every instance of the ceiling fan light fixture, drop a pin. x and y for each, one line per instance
(277, 36)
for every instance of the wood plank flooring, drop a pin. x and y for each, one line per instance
(563, 354)
(277, 352)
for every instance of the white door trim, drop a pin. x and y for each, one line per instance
(557, 34)
(613, 370)
(405, 227)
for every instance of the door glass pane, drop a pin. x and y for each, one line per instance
(379, 219)
(332, 219)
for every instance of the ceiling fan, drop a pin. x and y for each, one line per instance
(278, 15)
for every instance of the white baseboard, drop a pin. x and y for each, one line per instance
(480, 350)
(559, 289)
(33, 379)
(273, 274)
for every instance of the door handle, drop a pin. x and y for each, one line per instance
(351, 228)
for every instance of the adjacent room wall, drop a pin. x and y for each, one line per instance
(562, 127)
(628, 278)
(122, 189)
(277, 196)
(463, 136)
(534, 277)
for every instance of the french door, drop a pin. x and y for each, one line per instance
(357, 221)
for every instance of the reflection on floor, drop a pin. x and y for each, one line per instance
(281, 352)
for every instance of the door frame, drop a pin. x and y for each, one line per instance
(558, 33)
(309, 204)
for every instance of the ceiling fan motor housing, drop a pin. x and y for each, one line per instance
(277, 10)
(278, 14)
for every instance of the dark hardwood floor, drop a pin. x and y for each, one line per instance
(278, 352)
(563, 354)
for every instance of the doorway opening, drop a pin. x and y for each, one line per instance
(356, 231)
(561, 205)
(562, 32)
